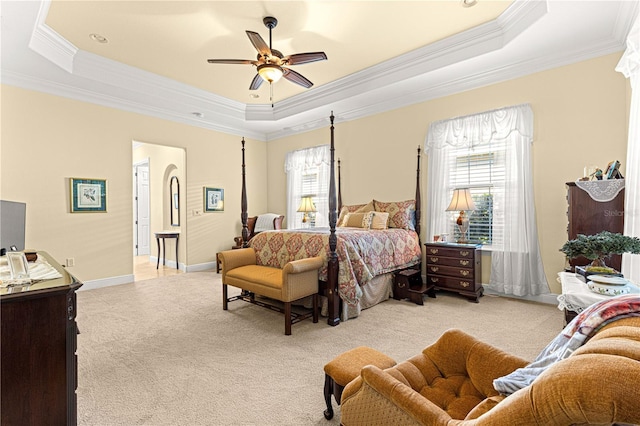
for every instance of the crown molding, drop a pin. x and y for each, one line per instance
(474, 42)
(48, 43)
(405, 80)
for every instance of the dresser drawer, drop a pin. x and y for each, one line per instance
(451, 283)
(449, 261)
(463, 252)
(452, 271)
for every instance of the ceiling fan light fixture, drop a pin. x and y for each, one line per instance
(270, 72)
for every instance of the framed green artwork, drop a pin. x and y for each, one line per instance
(88, 195)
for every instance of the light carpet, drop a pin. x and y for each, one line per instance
(163, 352)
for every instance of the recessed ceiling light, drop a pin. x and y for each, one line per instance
(198, 114)
(469, 3)
(98, 38)
(254, 96)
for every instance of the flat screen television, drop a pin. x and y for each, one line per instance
(12, 224)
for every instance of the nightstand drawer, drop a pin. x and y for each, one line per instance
(449, 261)
(451, 271)
(462, 252)
(451, 283)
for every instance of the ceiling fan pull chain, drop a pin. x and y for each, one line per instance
(271, 94)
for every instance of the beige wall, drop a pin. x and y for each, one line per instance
(47, 139)
(580, 115)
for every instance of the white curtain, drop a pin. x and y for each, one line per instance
(296, 165)
(629, 65)
(516, 265)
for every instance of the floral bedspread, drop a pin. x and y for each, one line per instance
(362, 254)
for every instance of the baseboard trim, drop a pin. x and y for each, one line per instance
(107, 282)
(550, 299)
(200, 267)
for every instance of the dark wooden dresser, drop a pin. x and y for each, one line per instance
(588, 216)
(455, 267)
(38, 352)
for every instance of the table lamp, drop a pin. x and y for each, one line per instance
(461, 201)
(306, 207)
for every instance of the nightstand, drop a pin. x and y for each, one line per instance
(455, 267)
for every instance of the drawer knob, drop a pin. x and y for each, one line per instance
(435, 279)
(464, 262)
(434, 259)
(464, 272)
(434, 268)
(464, 253)
(401, 285)
(434, 251)
(464, 284)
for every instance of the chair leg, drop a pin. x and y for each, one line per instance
(224, 297)
(328, 388)
(315, 307)
(287, 318)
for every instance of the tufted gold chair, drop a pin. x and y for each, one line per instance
(451, 383)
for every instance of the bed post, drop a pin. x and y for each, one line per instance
(339, 188)
(332, 268)
(243, 204)
(418, 203)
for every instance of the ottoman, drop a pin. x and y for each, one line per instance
(346, 367)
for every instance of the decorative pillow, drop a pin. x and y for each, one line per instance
(377, 220)
(354, 220)
(366, 208)
(401, 213)
(354, 208)
(347, 209)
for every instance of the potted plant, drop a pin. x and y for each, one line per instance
(599, 247)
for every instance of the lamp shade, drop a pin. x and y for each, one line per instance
(461, 200)
(270, 72)
(306, 204)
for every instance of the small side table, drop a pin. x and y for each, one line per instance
(576, 296)
(163, 235)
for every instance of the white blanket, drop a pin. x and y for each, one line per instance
(264, 222)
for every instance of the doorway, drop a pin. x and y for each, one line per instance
(153, 167)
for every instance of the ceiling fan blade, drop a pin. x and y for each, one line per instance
(232, 61)
(256, 82)
(304, 58)
(296, 78)
(259, 43)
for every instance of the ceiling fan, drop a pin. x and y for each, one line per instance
(271, 62)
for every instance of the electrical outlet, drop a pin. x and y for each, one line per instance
(70, 262)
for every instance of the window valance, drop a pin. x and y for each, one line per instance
(308, 157)
(479, 129)
(629, 64)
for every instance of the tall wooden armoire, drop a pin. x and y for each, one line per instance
(595, 206)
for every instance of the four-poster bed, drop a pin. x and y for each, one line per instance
(354, 257)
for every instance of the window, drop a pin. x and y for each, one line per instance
(482, 170)
(308, 175)
(490, 153)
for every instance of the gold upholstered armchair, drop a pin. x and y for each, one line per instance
(451, 383)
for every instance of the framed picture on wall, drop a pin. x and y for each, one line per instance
(88, 195)
(213, 199)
